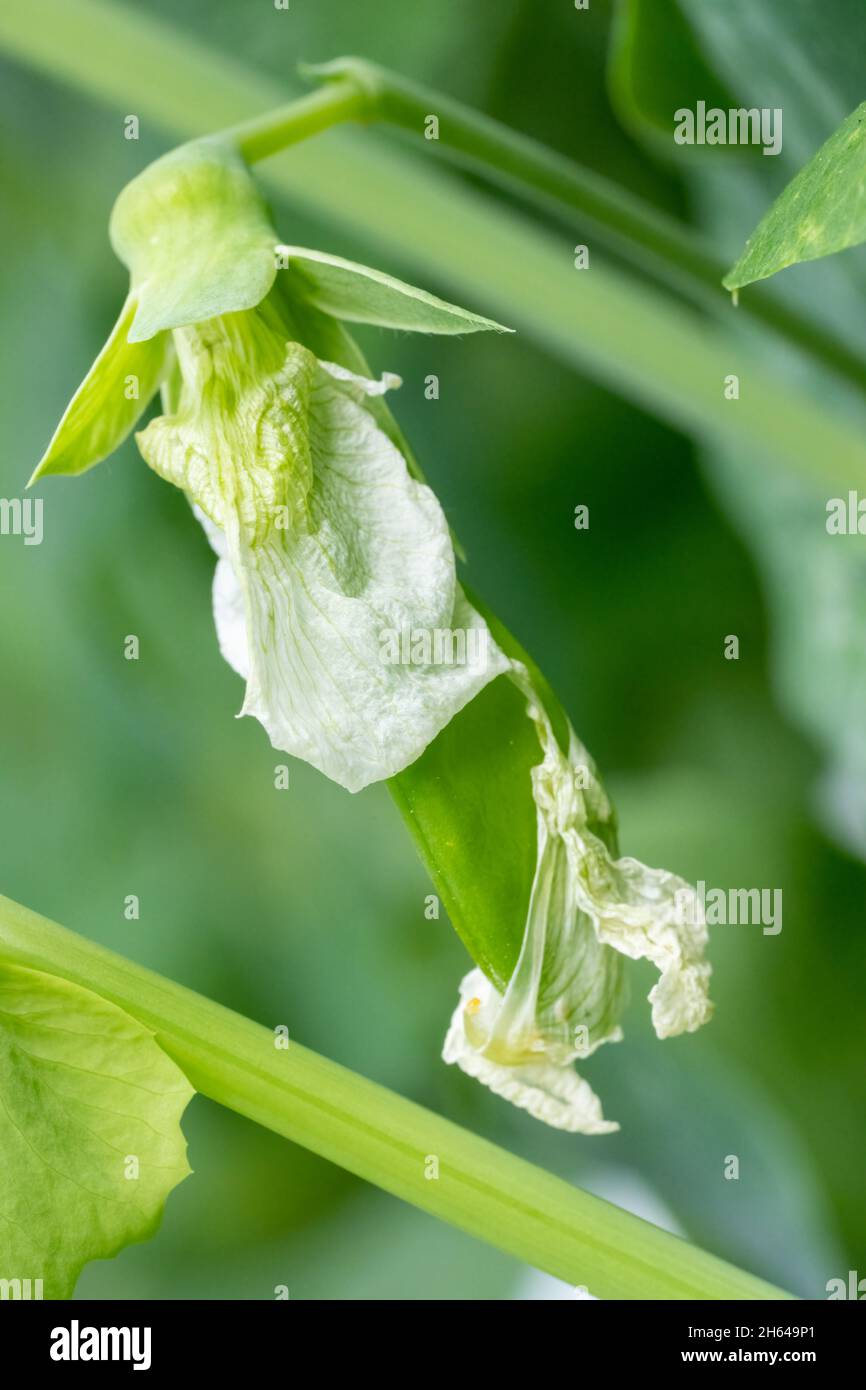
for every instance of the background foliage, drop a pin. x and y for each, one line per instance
(306, 906)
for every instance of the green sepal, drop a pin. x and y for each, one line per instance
(360, 294)
(102, 412)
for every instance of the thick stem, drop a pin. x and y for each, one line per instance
(383, 1138)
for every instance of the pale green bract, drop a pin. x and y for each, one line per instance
(335, 563)
(587, 911)
(90, 1137)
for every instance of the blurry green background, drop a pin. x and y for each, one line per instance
(306, 907)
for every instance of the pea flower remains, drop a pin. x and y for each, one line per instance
(327, 538)
(324, 537)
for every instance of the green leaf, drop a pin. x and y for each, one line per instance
(108, 402)
(362, 295)
(86, 1094)
(823, 210)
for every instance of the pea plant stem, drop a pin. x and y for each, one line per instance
(638, 231)
(383, 1138)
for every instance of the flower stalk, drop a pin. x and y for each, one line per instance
(344, 99)
(383, 1138)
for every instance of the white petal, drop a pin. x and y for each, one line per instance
(554, 1094)
(306, 615)
(638, 911)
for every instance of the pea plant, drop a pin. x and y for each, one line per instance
(363, 651)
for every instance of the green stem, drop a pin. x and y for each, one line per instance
(340, 100)
(383, 1138)
(643, 234)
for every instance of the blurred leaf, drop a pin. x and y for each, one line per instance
(815, 582)
(806, 59)
(86, 1092)
(655, 68)
(803, 57)
(822, 210)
